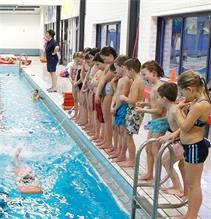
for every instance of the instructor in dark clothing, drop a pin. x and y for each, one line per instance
(52, 59)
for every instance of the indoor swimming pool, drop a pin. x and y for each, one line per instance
(72, 188)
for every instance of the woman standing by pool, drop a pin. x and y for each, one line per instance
(52, 59)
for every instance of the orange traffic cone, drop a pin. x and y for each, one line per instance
(173, 76)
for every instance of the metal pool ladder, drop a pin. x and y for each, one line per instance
(141, 202)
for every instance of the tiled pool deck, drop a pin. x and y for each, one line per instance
(38, 72)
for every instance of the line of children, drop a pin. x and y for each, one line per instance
(113, 93)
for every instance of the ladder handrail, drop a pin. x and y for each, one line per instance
(136, 171)
(158, 167)
(158, 172)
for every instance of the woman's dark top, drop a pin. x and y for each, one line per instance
(51, 59)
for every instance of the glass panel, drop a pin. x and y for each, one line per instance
(195, 44)
(103, 35)
(112, 35)
(172, 43)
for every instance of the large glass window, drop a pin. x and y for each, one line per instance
(185, 45)
(172, 45)
(108, 35)
(196, 44)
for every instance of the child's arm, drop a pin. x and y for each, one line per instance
(133, 96)
(169, 136)
(102, 82)
(114, 83)
(113, 104)
(155, 111)
(143, 104)
(85, 83)
(196, 111)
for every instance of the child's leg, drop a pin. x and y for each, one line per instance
(150, 160)
(108, 121)
(83, 106)
(116, 140)
(181, 166)
(121, 136)
(78, 101)
(193, 173)
(88, 113)
(75, 96)
(122, 145)
(131, 151)
(96, 128)
(176, 189)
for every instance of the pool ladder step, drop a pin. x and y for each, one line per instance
(140, 202)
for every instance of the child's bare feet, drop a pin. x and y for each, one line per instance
(119, 159)
(127, 163)
(146, 177)
(173, 191)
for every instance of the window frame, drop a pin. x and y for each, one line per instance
(99, 29)
(161, 24)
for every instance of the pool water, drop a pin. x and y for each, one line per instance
(72, 189)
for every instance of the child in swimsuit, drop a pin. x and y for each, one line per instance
(168, 96)
(152, 72)
(119, 109)
(192, 123)
(133, 119)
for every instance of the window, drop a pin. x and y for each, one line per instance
(172, 44)
(196, 44)
(108, 35)
(186, 45)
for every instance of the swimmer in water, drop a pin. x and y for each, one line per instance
(35, 95)
(26, 180)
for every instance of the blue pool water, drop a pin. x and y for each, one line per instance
(72, 189)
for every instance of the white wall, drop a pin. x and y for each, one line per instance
(20, 31)
(149, 10)
(105, 11)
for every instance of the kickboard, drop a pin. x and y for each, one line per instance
(30, 189)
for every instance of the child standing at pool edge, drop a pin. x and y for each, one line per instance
(192, 122)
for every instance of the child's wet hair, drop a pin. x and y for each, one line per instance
(133, 63)
(108, 50)
(97, 58)
(120, 60)
(168, 90)
(94, 51)
(192, 79)
(153, 66)
(78, 55)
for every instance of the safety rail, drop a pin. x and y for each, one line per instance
(140, 201)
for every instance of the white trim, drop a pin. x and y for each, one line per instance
(184, 10)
